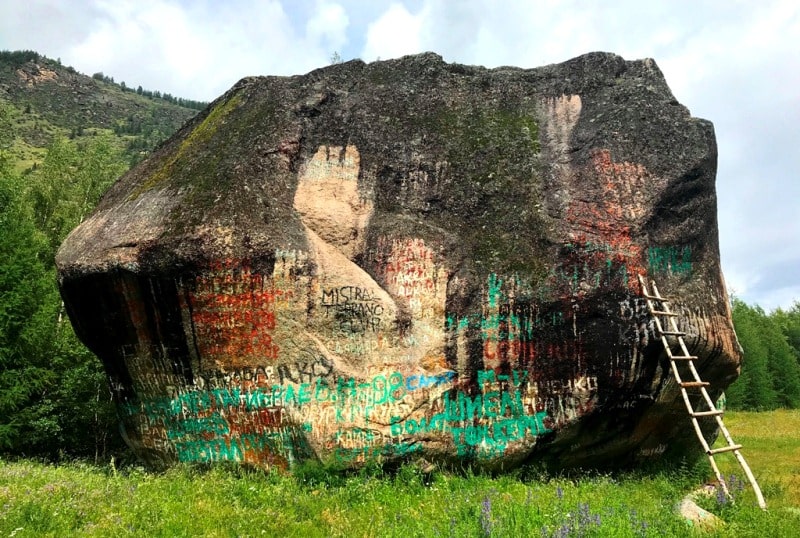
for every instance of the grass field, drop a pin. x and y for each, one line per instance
(771, 442)
(81, 500)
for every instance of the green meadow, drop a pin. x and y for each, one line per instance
(78, 499)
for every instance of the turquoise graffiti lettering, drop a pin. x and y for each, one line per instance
(485, 422)
(493, 438)
(199, 426)
(488, 405)
(674, 260)
(515, 378)
(233, 448)
(494, 290)
(213, 424)
(208, 451)
(347, 455)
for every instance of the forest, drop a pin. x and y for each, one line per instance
(54, 400)
(53, 395)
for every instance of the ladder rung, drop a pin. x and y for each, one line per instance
(664, 313)
(655, 298)
(713, 413)
(688, 384)
(673, 333)
(724, 449)
(684, 357)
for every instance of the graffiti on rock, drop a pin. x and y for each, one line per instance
(273, 348)
(356, 309)
(670, 260)
(254, 424)
(233, 313)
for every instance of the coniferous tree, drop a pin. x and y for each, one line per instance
(789, 322)
(754, 388)
(782, 363)
(770, 375)
(22, 287)
(53, 392)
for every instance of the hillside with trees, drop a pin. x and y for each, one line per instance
(45, 100)
(64, 138)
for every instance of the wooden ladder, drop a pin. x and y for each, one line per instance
(658, 307)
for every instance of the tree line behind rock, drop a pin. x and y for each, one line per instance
(770, 377)
(180, 101)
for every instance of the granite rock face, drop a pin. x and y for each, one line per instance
(410, 259)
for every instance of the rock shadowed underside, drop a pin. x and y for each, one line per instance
(410, 259)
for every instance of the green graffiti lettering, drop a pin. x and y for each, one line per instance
(304, 396)
(457, 435)
(485, 376)
(397, 386)
(474, 435)
(494, 293)
(396, 426)
(510, 404)
(411, 426)
(322, 391)
(473, 408)
(290, 395)
(491, 404)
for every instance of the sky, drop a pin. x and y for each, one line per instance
(736, 63)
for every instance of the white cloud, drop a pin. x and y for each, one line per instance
(199, 51)
(156, 37)
(395, 33)
(46, 26)
(328, 25)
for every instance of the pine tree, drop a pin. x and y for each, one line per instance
(770, 375)
(789, 322)
(53, 392)
(22, 289)
(754, 388)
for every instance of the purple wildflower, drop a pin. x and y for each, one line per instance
(486, 516)
(735, 484)
(564, 531)
(722, 499)
(584, 517)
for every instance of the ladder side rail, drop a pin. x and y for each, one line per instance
(698, 430)
(720, 479)
(711, 404)
(685, 351)
(674, 328)
(725, 433)
(752, 479)
(675, 372)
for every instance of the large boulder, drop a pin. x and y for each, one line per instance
(410, 259)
